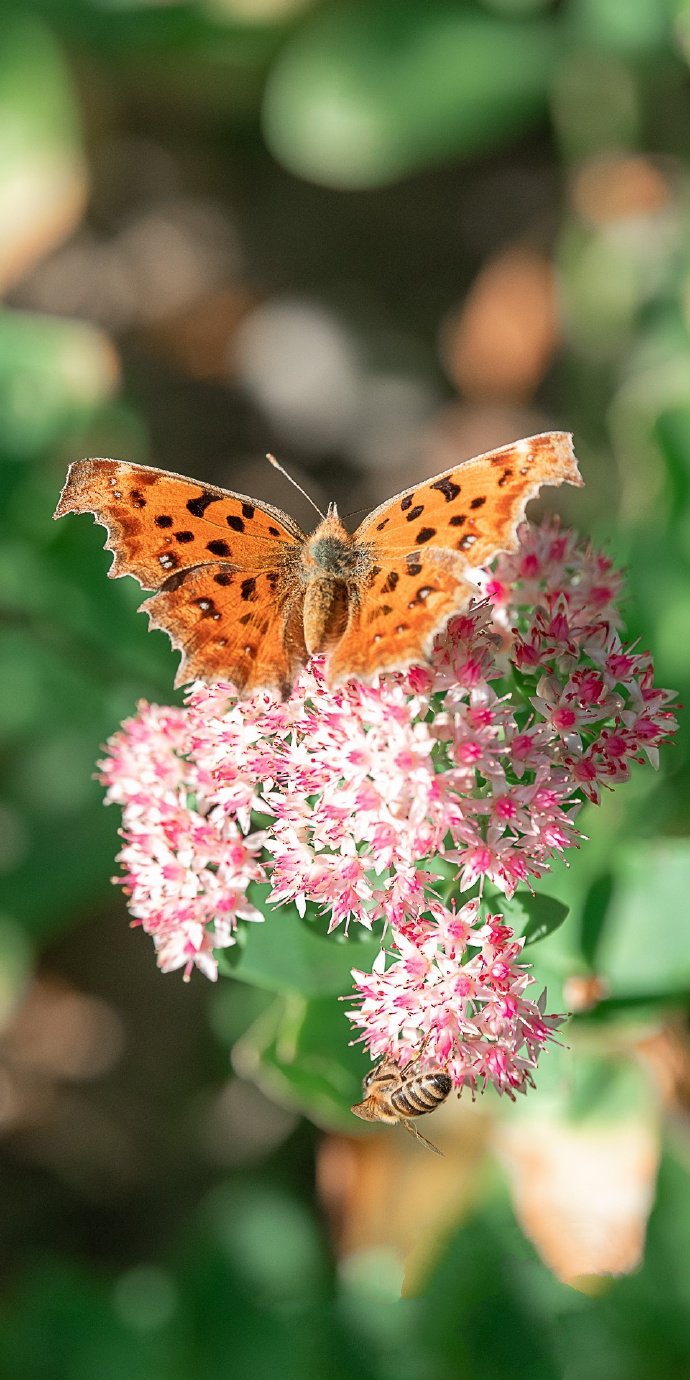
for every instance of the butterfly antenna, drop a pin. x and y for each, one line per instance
(277, 466)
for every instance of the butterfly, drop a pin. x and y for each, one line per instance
(246, 596)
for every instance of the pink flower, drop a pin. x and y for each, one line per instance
(456, 986)
(351, 803)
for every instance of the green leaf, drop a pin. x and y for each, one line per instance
(636, 28)
(604, 1087)
(287, 954)
(646, 946)
(594, 916)
(484, 1273)
(535, 917)
(299, 1053)
(53, 374)
(365, 94)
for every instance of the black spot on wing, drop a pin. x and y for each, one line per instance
(248, 588)
(406, 502)
(382, 611)
(163, 520)
(390, 583)
(197, 506)
(425, 534)
(235, 522)
(248, 511)
(477, 503)
(415, 512)
(207, 608)
(218, 547)
(447, 487)
(421, 595)
(184, 537)
(458, 520)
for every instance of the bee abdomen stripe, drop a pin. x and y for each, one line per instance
(409, 1106)
(416, 1099)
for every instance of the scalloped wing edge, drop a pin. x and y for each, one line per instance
(565, 471)
(181, 676)
(73, 499)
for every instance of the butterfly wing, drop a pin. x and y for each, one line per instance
(474, 509)
(232, 626)
(159, 523)
(424, 543)
(223, 564)
(392, 622)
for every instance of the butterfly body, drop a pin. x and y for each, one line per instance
(247, 596)
(333, 568)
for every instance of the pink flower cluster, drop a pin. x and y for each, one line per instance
(481, 760)
(456, 987)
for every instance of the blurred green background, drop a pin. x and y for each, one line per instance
(373, 237)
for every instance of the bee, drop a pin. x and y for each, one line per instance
(394, 1094)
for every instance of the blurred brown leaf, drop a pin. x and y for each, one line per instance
(385, 1190)
(582, 1193)
(501, 341)
(620, 187)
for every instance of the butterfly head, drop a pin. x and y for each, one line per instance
(331, 551)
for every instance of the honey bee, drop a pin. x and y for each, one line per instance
(394, 1094)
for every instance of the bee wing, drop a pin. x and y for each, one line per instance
(373, 1109)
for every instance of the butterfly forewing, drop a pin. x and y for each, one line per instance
(475, 509)
(159, 523)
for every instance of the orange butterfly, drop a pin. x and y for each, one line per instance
(246, 596)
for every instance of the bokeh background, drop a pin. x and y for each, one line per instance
(373, 237)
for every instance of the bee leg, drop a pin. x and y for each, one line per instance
(416, 1057)
(409, 1126)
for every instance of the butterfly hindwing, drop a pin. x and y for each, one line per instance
(232, 626)
(160, 523)
(393, 622)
